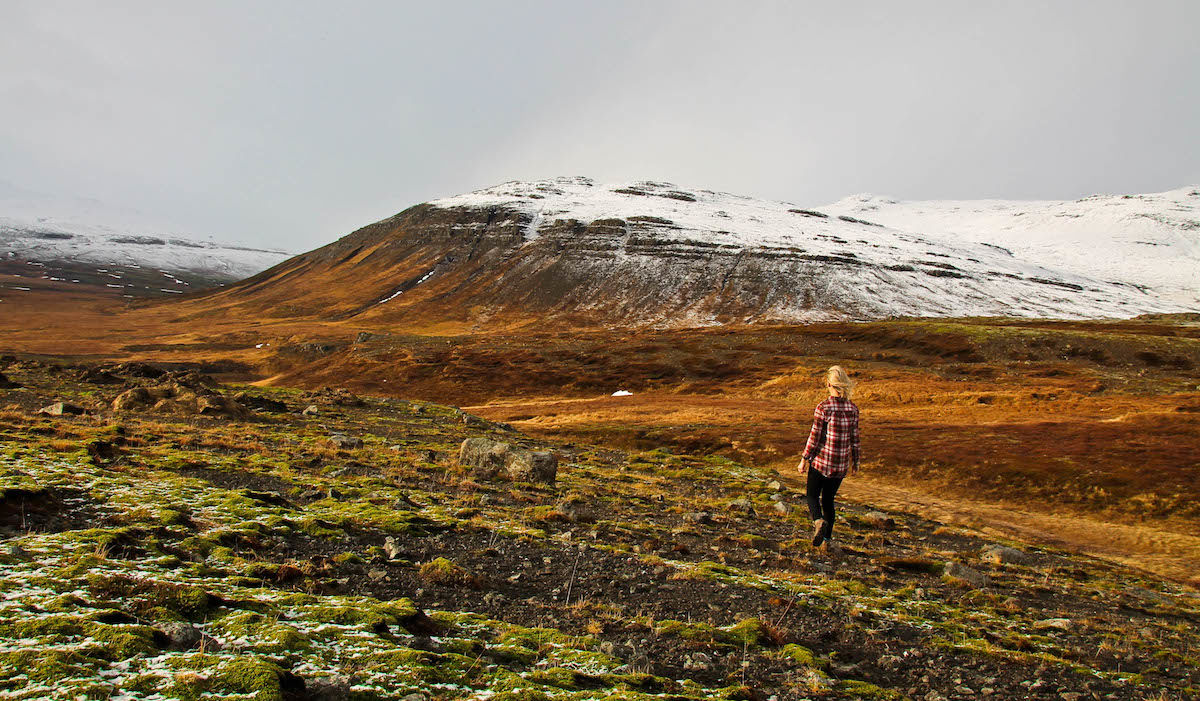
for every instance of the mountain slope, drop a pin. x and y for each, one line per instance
(73, 240)
(1151, 240)
(651, 253)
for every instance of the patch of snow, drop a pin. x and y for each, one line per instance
(622, 393)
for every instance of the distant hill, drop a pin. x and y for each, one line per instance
(84, 242)
(657, 254)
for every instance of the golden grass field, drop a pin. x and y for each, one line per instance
(1084, 434)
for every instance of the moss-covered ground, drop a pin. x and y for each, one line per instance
(301, 570)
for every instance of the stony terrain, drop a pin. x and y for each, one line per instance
(203, 540)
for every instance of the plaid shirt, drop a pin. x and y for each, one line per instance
(833, 443)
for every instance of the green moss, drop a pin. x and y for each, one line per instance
(253, 675)
(445, 572)
(800, 655)
(123, 641)
(348, 558)
(556, 677)
(865, 690)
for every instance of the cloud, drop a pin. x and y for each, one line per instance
(290, 123)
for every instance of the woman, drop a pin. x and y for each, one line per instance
(831, 452)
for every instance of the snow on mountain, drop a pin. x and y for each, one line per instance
(1150, 240)
(77, 235)
(838, 262)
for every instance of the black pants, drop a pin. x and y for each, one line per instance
(821, 490)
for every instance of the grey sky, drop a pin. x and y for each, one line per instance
(291, 123)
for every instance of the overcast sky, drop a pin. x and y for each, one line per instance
(289, 123)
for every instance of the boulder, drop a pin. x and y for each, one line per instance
(487, 458)
(961, 574)
(532, 466)
(1000, 554)
(176, 398)
(60, 408)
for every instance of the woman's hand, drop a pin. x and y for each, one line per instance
(803, 466)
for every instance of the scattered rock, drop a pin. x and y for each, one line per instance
(259, 403)
(782, 508)
(880, 520)
(391, 550)
(6, 383)
(961, 574)
(60, 408)
(96, 376)
(774, 485)
(698, 661)
(332, 688)
(1056, 623)
(742, 504)
(103, 452)
(311, 410)
(177, 398)
(344, 442)
(136, 369)
(699, 517)
(1000, 554)
(336, 397)
(180, 635)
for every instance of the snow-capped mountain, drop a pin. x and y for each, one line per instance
(654, 253)
(1150, 240)
(78, 240)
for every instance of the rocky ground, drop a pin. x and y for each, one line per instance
(166, 537)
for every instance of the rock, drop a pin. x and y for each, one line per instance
(880, 520)
(999, 554)
(96, 376)
(136, 369)
(782, 508)
(487, 458)
(102, 452)
(415, 696)
(1056, 623)
(961, 574)
(774, 485)
(697, 661)
(699, 517)
(533, 466)
(6, 383)
(180, 635)
(332, 688)
(344, 442)
(61, 408)
(335, 397)
(377, 574)
(311, 410)
(258, 403)
(177, 398)
(391, 549)
(15, 551)
(742, 504)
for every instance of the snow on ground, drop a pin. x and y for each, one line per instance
(35, 227)
(1151, 240)
(911, 267)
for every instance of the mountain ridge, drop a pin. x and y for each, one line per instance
(552, 249)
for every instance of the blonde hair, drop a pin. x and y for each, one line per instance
(837, 378)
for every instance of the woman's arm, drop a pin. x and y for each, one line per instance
(854, 453)
(816, 437)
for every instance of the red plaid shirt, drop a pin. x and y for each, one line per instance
(833, 443)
